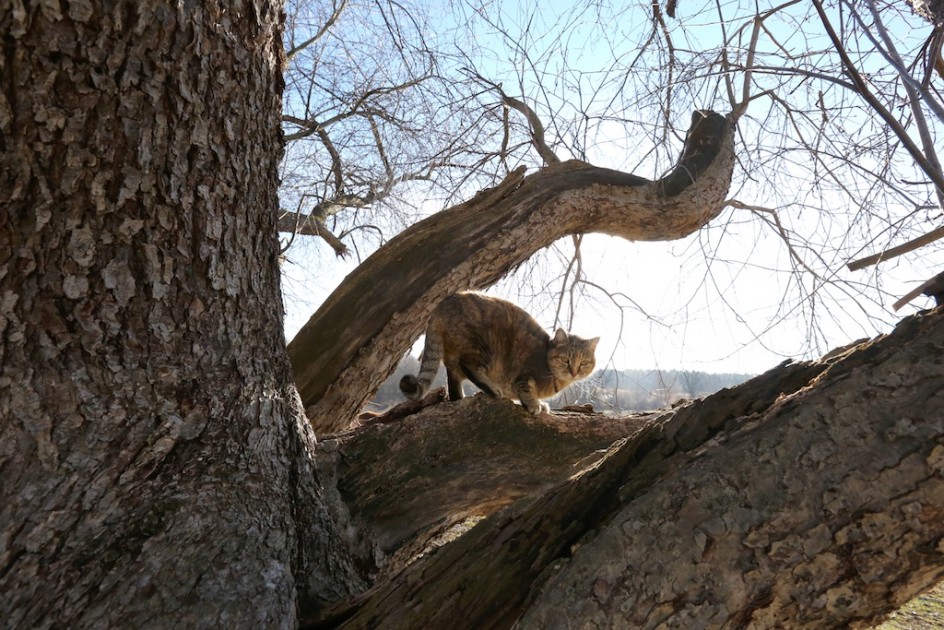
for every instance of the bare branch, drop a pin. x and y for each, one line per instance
(357, 108)
(894, 252)
(670, 66)
(295, 49)
(930, 288)
(916, 92)
(781, 231)
(308, 225)
(758, 23)
(935, 175)
(537, 129)
(534, 122)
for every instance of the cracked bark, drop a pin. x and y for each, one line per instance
(810, 496)
(157, 468)
(155, 460)
(354, 340)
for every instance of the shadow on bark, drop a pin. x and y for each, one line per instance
(706, 514)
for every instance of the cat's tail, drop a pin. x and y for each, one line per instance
(415, 387)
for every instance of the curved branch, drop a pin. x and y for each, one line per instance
(537, 129)
(355, 339)
(534, 123)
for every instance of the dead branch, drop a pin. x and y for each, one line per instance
(894, 252)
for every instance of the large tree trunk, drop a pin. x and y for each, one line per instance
(155, 462)
(346, 350)
(158, 471)
(811, 496)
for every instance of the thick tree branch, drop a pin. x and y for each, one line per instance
(810, 496)
(308, 225)
(354, 340)
(411, 479)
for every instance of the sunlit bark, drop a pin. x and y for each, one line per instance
(353, 342)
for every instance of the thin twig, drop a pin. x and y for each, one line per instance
(324, 29)
(936, 176)
(912, 86)
(758, 22)
(759, 210)
(670, 66)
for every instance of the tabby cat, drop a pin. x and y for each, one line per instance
(501, 349)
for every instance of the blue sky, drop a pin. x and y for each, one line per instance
(731, 298)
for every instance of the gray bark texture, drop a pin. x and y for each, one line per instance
(353, 342)
(156, 465)
(811, 496)
(157, 468)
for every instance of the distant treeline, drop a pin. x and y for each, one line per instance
(616, 390)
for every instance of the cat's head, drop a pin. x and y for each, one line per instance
(570, 357)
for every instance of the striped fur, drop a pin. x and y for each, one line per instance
(416, 386)
(501, 349)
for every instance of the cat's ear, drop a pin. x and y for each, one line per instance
(592, 343)
(560, 336)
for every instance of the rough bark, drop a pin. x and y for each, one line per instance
(353, 342)
(155, 461)
(930, 10)
(809, 497)
(157, 469)
(408, 482)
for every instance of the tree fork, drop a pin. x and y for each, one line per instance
(354, 340)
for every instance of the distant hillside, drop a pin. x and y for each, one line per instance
(616, 390)
(642, 390)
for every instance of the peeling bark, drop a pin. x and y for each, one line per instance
(808, 497)
(354, 340)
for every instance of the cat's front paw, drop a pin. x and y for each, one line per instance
(538, 408)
